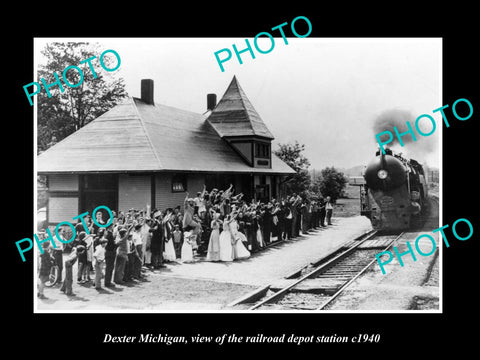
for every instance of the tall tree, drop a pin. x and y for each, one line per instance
(65, 112)
(331, 183)
(293, 155)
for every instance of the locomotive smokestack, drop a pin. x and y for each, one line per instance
(383, 163)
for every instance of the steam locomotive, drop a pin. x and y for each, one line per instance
(394, 196)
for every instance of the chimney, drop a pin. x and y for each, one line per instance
(147, 91)
(211, 101)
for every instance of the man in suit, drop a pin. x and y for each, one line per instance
(321, 211)
(110, 254)
(69, 262)
(156, 242)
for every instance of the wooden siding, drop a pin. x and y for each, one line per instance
(258, 163)
(238, 184)
(134, 191)
(165, 198)
(63, 182)
(244, 149)
(195, 183)
(62, 209)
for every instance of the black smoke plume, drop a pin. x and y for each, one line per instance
(389, 119)
(419, 149)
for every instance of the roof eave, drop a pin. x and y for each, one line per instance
(246, 171)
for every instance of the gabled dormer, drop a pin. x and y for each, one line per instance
(235, 119)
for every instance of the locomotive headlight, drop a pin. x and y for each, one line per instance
(382, 174)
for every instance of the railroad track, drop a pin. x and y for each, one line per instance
(318, 285)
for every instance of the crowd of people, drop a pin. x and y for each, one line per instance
(214, 226)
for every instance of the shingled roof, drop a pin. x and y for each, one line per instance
(136, 136)
(235, 115)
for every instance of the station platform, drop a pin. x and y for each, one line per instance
(206, 286)
(277, 261)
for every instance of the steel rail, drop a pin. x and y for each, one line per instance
(340, 290)
(321, 267)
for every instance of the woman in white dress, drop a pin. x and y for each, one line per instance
(169, 251)
(239, 250)
(225, 241)
(213, 253)
(260, 242)
(187, 251)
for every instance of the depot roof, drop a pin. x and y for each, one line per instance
(137, 136)
(234, 115)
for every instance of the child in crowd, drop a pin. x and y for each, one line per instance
(177, 240)
(46, 263)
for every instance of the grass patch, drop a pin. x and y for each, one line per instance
(350, 204)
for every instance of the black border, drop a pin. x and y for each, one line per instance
(406, 334)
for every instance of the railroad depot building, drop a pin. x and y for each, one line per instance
(141, 153)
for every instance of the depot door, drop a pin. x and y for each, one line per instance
(97, 190)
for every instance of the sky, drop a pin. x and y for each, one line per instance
(322, 92)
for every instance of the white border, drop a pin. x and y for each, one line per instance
(306, 312)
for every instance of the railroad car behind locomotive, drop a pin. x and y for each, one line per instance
(394, 196)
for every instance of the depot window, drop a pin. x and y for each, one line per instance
(179, 183)
(262, 150)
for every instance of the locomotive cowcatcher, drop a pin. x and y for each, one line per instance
(394, 196)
